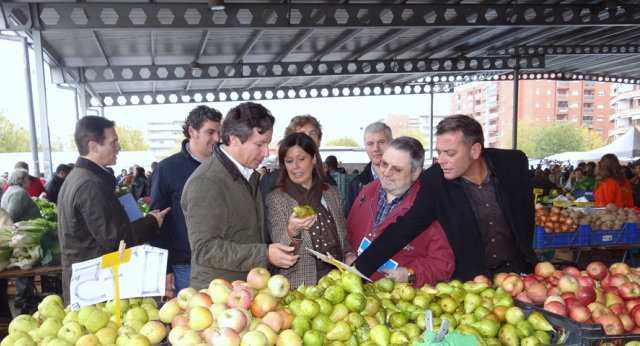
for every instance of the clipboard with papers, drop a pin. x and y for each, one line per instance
(342, 266)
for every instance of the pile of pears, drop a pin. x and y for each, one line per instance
(55, 325)
(341, 308)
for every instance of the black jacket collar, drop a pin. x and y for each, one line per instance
(186, 152)
(97, 170)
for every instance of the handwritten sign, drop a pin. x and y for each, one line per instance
(142, 276)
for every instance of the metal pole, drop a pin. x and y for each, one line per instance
(514, 129)
(431, 85)
(42, 104)
(82, 100)
(33, 138)
(75, 103)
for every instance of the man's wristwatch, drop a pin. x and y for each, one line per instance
(412, 275)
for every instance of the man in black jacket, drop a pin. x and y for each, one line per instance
(483, 199)
(376, 138)
(55, 184)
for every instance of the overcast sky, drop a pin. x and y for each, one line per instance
(339, 117)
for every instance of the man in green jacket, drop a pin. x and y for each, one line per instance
(222, 204)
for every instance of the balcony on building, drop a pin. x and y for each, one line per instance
(492, 139)
(563, 83)
(589, 84)
(562, 94)
(619, 131)
(492, 127)
(589, 95)
(626, 95)
(562, 118)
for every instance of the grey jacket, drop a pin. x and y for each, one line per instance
(17, 202)
(224, 217)
(91, 220)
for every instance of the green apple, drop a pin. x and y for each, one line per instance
(155, 331)
(135, 324)
(52, 298)
(111, 306)
(92, 318)
(107, 335)
(88, 340)
(24, 323)
(71, 316)
(126, 330)
(13, 337)
(51, 309)
(136, 313)
(49, 327)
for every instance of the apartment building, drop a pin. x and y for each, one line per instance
(625, 104)
(164, 136)
(422, 123)
(544, 102)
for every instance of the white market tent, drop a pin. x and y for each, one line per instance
(625, 148)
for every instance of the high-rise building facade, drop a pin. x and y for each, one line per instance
(541, 102)
(164, 137)
(625, 103)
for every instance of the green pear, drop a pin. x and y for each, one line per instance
(469, 329)
(334, 294)
(369, 288)
(543, 336)
(322, 323)
(449, 305)
(355, 302)
(362, 334)
(294, 306)
(352, 283)
(525, 328)
(341, 331)
(301, 324)
(467, 319)
(371, 321)
(514, 315)
(493, 342)
(481, 312)
(443, 287)
(530, 341)
(399, 337)
(354, 319)
(312, 292)
(411, 330)
(508, 335)
(503, 301)
(325, 306)
(51, 309)
(372, 305)
(340, 312)
(380, 335)
(336, 275)
(313, 338)
(436, 309)
(488, 293)
(471, 302)
(488, 328)
(388, 304)
(325, 282)
(381, 316)
(475, 287)
(309, 308)
(539, 322)
(453, 322)
(458, 293)
(384, 284)
(49, 327)
(92, 318)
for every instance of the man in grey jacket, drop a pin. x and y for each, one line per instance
(91, 219)
(222, 204)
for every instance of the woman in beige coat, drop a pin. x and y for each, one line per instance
(301, 183)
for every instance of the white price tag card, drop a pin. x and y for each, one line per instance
(143, 276)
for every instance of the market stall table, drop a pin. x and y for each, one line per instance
(629, 250)
(37, 271)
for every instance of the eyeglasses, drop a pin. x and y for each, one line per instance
(394, 169)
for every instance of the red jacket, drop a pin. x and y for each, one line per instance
(429, 254)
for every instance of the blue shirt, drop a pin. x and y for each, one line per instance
(384, 209)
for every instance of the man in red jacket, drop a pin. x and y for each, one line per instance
(426, 259)
(36, 189)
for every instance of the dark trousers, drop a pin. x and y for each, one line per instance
(24, 289)
(513, 266)
(5, 311)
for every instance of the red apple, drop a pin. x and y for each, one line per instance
(544, 269)
(498, 278)
(620, 268)
(553, 291)
(618, 308)
(568, 283)
(263, 303)
(604, 283)
(180, 320)
(199, 299)
(580, 313)
(529, 280)
(239, 298)
(635, 313)
(570, 270)
(287, 317)
(537, 292)
(611, 324)
(594, 305)
(554, 299)
(274, 320)
(566, 295)
(611, 290)
(225, 336)
(219, 292)
(618, 279)
(601, 310)
(556, 308)
(558, 274)
(482, 278)
(586, 295)
(513, 284)
(571, 301)
(630, 304)
(258, 278)
(232, 318)
(627, 322)
(220, 281)
(586, 281)
(523, 297)
(634, 277)
(629, 290)
(597, 270)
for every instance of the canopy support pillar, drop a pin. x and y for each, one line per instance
(42, 104)
(514, 126)
(33, 138)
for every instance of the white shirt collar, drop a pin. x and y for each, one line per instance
(373, 171)
(189, 151)
(246, 172)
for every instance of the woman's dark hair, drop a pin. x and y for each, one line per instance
(609, 167)
(305, 143)
(91, 128)
(197, 117)
(140, 172)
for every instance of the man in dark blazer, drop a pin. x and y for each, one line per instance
(482, 197)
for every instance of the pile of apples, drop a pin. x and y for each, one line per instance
(606, 296)
(55, 325)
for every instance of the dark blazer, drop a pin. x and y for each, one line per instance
(355, 186)
(445, 200)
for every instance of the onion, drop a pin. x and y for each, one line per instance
(555, 210)
(554, 217)
(548, 226)
(562, 218)
(565, 227)
(539, 206)
(543, 218)
(570, 221)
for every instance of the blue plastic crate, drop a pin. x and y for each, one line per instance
(588, 194)
(608, 237)
(561, 239)
(632, 235)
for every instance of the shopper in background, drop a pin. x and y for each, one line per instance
(308, 125)
(376, 138)
(428, 258)
(55, 184)
(140, 184)
(611, 184)
(635, 182)
(301, 182)
(575, 177)
(202, 131)
(37, 189)
(222, 204)
(91, 220)
(121, 177)
(17, 202)
(483, 199)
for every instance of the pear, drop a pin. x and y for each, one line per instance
(51, 309)
(539, 322)
(92, 318)
(49, 327)
(352, 283)
(530, 341)
(341, 331)
(340, 312)
(488, 328)
(468, 329)
(503, 301)
(371, 321)
(443, 287)
(313, 338)
(508, 335)
(301, 324)
(525, 328)
(471, 302)
(543, 336)
(362, 334)
(475, 287)
(399, 337)
(322, 323)
(380, 335)
(514, 315)
(493, 342)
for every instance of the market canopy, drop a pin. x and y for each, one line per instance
(625, 147)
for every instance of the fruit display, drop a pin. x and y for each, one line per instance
(263, 310)
(609, 297)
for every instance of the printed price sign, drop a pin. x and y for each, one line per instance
(143, 275)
